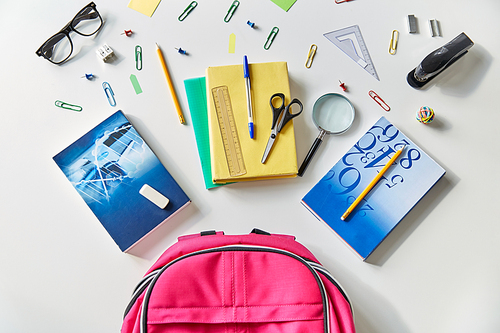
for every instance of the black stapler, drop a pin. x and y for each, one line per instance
(438, 60)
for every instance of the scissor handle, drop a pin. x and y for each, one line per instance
(288, 113)
(277, 110)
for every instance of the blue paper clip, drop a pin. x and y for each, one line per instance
(231, 10)
(109, 93)
(270, 38)
(138, 57)
(188, 10)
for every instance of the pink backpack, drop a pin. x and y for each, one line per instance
(211, 282)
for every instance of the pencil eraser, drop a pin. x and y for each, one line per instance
(154, 196)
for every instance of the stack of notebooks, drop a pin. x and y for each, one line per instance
(213, 146)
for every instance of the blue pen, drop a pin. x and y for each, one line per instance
(246, 75)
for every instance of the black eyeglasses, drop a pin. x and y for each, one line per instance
(58, 48)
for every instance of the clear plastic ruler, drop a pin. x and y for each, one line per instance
(228, 131)
(350, 41)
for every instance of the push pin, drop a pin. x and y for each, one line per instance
(127, 33)
(181, 51)
(88, 76)
(342, 85)
(252, 25)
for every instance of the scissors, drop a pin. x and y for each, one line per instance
(284, 115)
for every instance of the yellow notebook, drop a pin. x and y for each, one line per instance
(266, 80)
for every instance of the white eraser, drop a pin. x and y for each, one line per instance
(154, 196)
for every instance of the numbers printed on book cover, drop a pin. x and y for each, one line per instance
(368, 153)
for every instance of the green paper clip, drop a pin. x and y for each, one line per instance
(61, 104)
(271, 37)
(138, 57)
(231, 10)
(188, 10)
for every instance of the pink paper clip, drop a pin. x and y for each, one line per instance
(379, 100)
(340, 1)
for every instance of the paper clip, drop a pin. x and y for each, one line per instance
(270, 38)
(394, 42)
(188, 10)
(341, 1)
(138, 57)
(61, 104)
(127, 33)
(379, 100)
(109, 93)
(310, 56)
(231, 10)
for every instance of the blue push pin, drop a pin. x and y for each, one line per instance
(252, 25)
(88, 76)
(181, 51)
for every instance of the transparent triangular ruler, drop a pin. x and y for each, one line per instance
(350, 41)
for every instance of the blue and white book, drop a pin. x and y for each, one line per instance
(108, 166)
(398, 191)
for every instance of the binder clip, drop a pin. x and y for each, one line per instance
(89, 77)
(181, 51)
(105, 53)
(127, 33)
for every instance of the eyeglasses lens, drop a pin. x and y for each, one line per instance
(58, 48)
(87, 22)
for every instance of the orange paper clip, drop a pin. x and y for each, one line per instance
(379, 100)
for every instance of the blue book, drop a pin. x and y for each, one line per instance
(398, 191)
(108, 166)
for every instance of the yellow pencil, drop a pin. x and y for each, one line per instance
(170, 85)
(372, 184)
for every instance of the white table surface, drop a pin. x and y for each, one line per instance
(438, 271)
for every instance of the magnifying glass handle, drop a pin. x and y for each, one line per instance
(310, 155)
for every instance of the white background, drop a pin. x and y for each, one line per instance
(438, 271)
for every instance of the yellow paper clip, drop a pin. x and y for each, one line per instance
(270, 38)
(310, 56)
(188, 10)
(138, 57)
(109, 93)
(61, 104)
(231, 10)
(394, 42)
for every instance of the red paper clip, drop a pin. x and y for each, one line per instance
(126, 33)
(379, 100)
(340, 1)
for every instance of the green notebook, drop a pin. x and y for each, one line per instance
(196, 91)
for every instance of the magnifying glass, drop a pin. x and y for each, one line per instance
(332, 114)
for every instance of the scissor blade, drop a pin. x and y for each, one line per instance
(270, 144)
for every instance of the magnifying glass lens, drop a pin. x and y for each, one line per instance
(334, 115)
